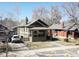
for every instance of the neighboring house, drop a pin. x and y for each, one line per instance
(69, 30)
(3, 32)
(22, 30)
(35, 30)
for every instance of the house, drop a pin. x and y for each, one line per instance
(3, 32)
(36, 30)
(63, 30)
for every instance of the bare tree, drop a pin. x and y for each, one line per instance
(10, 19)
(55, 14)
(40, 12)
(72, 11)
(8, 22)
(16, 10)
(51, 15)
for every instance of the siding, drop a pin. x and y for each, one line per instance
(23, 32)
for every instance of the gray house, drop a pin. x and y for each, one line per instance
(36, 30)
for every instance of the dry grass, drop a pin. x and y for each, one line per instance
(65, 43)
(3, 47)
(70, 42)
(37, 45)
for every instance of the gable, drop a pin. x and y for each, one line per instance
(37, 23)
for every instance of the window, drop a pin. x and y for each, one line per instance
(35, 34)
(41, 33)
(30, 33)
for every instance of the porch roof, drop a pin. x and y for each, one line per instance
(39, 28)
(40, 21)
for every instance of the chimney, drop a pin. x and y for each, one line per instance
(26, 20)
(62, 23)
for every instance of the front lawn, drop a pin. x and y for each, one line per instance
(46, 44)
(70, 42)
(3, 47)
(38, 45)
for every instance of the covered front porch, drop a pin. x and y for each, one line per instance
(38, 34)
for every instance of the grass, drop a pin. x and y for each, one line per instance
(3, 48)
(46, 44)
(38, 45)
(65, 43)
(70, 42)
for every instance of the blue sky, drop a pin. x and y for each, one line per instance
(26, 8)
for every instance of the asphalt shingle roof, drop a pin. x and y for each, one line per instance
(55, 26)
(31, 22)
(67, 26)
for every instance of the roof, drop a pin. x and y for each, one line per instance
(67, 26)
(31, 22)
(6, 26)
(45, 20)
(3, 28)
(39, 28)
(73, 27)
(55, 26)
(20, 26)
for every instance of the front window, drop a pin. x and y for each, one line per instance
(35, 34)
(41, 33)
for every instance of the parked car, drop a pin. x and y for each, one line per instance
(15, 38)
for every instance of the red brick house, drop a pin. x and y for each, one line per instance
(62, 30)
